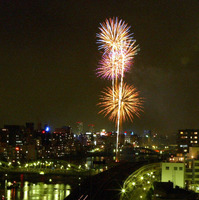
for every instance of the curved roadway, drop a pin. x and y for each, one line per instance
(106, 185)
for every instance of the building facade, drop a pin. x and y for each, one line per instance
(174, 172)
(187, 138)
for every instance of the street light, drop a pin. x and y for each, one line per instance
(123, 190)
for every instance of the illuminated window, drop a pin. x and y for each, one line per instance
(185, 150)
(191, 137)
(181, 132)
(183, 137)
(196, 141)
(191, 141)
(195, 137)
(195, 133)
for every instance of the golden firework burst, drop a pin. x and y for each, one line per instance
(131, 103)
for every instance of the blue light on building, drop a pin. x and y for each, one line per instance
(47, 129)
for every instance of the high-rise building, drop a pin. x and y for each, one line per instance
(29, 133)
(79, 128)
(62, 141)
(13, 139)
(14, 134)
(91, 128)
(146, 139)
(130, 138)
(187, 138)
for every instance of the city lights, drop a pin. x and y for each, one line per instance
(99, 100)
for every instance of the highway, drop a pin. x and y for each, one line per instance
(107, 185)
(137, 185)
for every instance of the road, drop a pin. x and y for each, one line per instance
(106, 185)
(137, 185)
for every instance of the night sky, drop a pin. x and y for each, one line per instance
(49, 55)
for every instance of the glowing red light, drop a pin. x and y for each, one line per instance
(43, 131)
(17, 148)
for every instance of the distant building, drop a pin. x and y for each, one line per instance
(109, 141)
(62, 141)
(82, 138)
(79, 128)
(146, 139)
(193, 153)
(14, 134)
(131, 138)
(91, 128)
(29, 133)
(187, 138)
(13, 139)
(29, 152)
(89, 138)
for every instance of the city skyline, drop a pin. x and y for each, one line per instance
(49, 57)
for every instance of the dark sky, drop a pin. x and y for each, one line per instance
(48, 58)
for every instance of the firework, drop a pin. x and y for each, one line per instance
(113, 33)
(121, 102)
(112, 66)
(110, 69)
(131, 103)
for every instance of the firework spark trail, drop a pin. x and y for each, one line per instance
(120, 94)
(113, 83)
(113, 71)
(119, 104)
